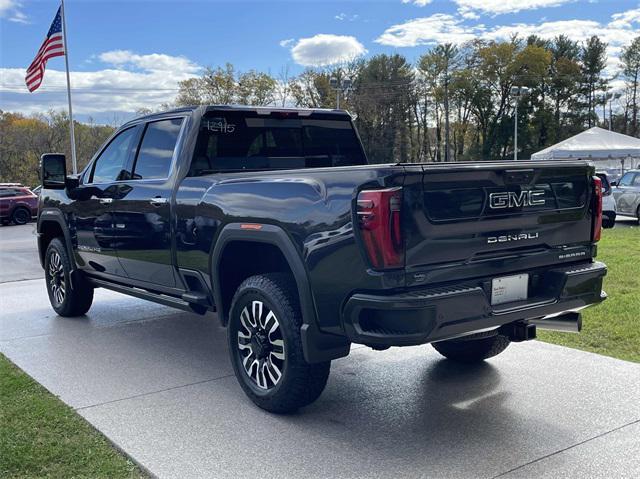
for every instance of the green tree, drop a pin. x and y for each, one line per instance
(631, 73)
(594, 59)
(225, 86)
(381, 100)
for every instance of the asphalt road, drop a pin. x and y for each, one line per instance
(158, 383)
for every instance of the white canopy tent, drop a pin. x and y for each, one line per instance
(609, 149)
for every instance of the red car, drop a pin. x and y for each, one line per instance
(17, 203)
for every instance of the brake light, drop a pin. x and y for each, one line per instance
(597, 209)
(378, 214)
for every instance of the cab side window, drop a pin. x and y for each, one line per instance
(7, 193)
(626, 179)
(110, 165)
(156, 149)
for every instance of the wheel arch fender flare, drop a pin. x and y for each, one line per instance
(262, 233)
(53, 215)
(317, 345)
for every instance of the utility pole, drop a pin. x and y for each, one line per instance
(610, 97)
(517, 92)
(340, 86)
(446, 116)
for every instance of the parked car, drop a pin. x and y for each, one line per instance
(18, 204)
(274, 219)
(608, 201)
(627, 194)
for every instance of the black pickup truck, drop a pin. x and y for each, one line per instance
(274, 219)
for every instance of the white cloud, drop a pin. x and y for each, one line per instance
(444, 28)
(625, 19)
(437, 28)
(138, 81)
(12, 11)
(497, 7)
(151, 62)
(343, 16)
(326, 49)
(418, 3)
(468, 14)
(287, 43)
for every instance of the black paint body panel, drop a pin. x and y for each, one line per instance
(312, 210)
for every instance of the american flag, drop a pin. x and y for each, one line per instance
(53, 46)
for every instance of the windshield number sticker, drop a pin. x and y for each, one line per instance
(220, 125)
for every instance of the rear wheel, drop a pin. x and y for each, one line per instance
(21, 216)
(266, 347)
(470, 350)
(66, 299)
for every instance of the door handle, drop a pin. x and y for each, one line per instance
(158, 201)
(106, 201)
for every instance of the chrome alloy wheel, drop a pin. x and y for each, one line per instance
(261, 345)
(57, 283)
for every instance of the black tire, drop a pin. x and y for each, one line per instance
(21, 216)
(5, 222)
(67, 301)
(268, 344)
(472, 350)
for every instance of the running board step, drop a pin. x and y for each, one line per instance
(150, 296)
(197, 298)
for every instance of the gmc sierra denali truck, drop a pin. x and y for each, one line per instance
(274, 219)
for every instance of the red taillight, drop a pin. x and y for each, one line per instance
(597, 209)
(379, 221)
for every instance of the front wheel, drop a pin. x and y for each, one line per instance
(266, 346)
(66, 299)
(468, 350)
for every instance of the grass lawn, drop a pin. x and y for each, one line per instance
(613, 327)
(40, 436)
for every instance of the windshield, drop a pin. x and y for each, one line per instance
(230, 141)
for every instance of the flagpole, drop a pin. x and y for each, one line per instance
(66, 62)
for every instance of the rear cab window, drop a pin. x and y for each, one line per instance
(245, 140)
(156, 151)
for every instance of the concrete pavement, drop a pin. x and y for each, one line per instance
(17, 258)
(158, 383)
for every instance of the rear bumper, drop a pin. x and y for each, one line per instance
(427, 315)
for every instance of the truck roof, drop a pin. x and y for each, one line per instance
(258, 109)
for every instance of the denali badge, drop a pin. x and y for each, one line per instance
(511, 199)
(514, 237)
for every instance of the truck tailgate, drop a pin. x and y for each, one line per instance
(492, 218)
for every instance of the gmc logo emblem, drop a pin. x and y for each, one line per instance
(511, 199)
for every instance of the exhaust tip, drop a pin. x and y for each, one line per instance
(567, 323)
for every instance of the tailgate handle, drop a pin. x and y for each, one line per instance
(518, 177)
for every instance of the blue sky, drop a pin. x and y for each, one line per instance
(129, 54)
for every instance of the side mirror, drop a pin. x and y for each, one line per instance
(53, 171)
(614, 183)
